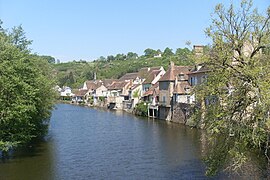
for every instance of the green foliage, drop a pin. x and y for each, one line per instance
(239, 78)
(167, 52)
(149, 53)
(102, 98)
(17, 38)
(113, 68)
(141, 109)
(26, 94)
(131, 55)
(136, 93)
(49, 59)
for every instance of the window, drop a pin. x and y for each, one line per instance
(181, 77)
(187, 90)
(193, 81)
(188, 99)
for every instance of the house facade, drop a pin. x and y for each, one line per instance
(167, 85)
(118, 92)
(197, 76)
(152, 77)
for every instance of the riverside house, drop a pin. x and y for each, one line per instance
(66, 93)
(152, 76)
(118, 92)
(79, 96)
(170, 83)
(152, 96)
(96, 91)
(197, 76)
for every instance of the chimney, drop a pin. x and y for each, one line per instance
(95, 76)
(172, 64)
(198, 50)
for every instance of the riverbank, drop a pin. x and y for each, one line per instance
(142, 112)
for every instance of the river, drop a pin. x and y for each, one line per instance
(87, 143)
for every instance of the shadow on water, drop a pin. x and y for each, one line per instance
(90, 143)
(33, 161)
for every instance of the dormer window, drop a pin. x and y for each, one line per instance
(187, 89)
(181, 77)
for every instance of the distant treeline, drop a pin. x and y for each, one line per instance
(74, 73)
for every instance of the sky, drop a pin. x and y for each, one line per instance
(87, 29)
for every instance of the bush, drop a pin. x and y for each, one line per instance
(141, 109)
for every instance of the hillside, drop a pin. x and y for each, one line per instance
(74, 73)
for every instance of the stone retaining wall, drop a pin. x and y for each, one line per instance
(181, 112)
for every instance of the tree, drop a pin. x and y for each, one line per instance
(237, 118)
(110, 58)
(26, 94)
(183, 54)
(120, 57)
(167, 52)
(18, 38)
(131, 55)
(101, 58)
(49, 59)
(150, 52)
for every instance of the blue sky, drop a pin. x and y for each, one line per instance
(87, 29)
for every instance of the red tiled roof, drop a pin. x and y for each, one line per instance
(174, 71)
(151, 90)
(135, 86)
(144, 72)
(151, 76)
(108, 82)
(129, 76)
(203, 69)
(181, 87)
(118, 85)
(93, 84)
(81, 92)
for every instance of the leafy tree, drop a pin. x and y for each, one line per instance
(49, 59)
(26, 95)
(120, 57)
(131, 55)
(102, 58)
(18, 38)
(110, 58)
(150, 52)
(167, 52)
(158, 52)
(238, 120)
(183, 54)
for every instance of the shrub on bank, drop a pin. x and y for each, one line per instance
(141, 109)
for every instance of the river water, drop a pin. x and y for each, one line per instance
(87, 143)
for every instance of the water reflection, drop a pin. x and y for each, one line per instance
(87, 143)
(32, 162)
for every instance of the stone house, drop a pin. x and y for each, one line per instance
(152, 96)
(133, 77)
(118, 91)
(79, 96)
(197, 76)
(167, 86)
(152, 76)
(96, 91)
(66, 93)
(181, 93)
(134, 95)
